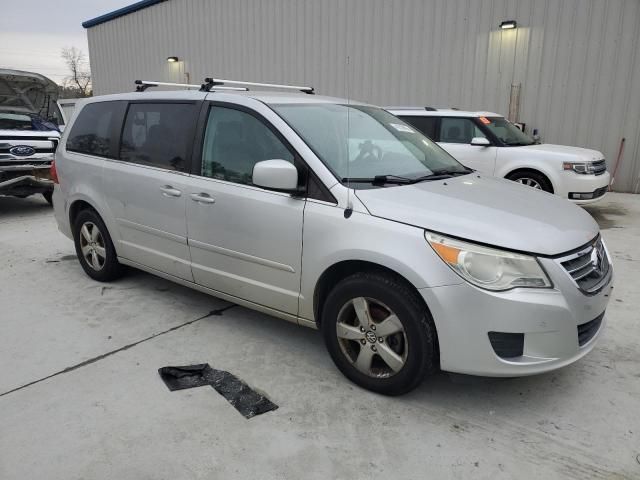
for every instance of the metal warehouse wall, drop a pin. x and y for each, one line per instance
(576, 60)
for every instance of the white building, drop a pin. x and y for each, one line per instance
(570, 69)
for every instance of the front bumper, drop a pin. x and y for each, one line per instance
(586, 189)
(23, 180)
(552, 323)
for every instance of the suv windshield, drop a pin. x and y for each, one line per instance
(367, 145)
(507, 132)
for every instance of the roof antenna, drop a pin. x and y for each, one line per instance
(349, 210)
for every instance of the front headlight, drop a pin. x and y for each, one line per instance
(486, 267)
(579, 167)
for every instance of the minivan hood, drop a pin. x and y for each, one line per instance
(576, 153)
(487, 210)
(26, 92)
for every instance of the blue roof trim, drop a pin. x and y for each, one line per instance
(121, 12)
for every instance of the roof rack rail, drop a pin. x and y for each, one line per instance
(408, 107)
(210, 83)
(142, 85)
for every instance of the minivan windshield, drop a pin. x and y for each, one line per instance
(507, 132)
(367, 146)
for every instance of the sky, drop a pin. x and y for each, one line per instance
(32, 32)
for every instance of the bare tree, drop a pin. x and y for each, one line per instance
(80, 78)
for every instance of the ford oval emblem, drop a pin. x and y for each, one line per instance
(22, 150)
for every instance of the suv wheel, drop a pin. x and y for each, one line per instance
(94, 247)
(532, 179)
(379, 333)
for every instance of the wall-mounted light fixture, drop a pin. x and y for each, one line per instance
(508, 25)
(172, 59)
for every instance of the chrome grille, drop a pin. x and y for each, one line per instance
(599, 167)
(589, 267)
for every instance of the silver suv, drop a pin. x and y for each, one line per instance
(339, 216)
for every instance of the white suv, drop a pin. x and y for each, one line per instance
(492, 145)
(338, 216)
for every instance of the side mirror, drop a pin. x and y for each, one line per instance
(275, 175)
(480, 142)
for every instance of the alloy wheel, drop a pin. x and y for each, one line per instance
(529, 182)
(372, 337)
(92, 246)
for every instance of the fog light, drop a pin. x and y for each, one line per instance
(581, 196)
(507, 345)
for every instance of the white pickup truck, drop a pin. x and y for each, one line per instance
(30, 122)
(492, 145)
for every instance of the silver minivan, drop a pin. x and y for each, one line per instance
(339, 216)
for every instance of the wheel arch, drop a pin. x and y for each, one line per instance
(78, 206)
(341, 270)
(82, 202)
(538, 171)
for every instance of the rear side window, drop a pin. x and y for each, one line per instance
(91, 133)
(425, 125)
(158, 134)
(458, 130)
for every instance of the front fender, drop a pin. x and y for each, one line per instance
(551, 174)
(330, 238)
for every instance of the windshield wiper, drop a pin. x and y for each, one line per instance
(453, 173)
(379, 180)
(442, 174)
(398, 180)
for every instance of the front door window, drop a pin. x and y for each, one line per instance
(234, 142)
(459, 130)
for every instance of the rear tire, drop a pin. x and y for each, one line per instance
(533, 179)
(48, 196)
(393, 347)
(94, 247)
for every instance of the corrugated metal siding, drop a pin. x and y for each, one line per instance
(577, 60)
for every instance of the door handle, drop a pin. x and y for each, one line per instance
(202, 198)
(169, 191)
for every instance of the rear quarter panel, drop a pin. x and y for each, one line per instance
(81, 178)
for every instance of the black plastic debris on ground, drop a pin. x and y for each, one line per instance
(246, 400)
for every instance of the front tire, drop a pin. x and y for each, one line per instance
(379, 333)
(94, 247)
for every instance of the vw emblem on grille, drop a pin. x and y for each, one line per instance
(596, 261)
(22, 150)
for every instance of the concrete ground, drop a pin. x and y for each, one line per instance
(109, 416)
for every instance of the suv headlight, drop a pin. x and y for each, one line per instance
(582, 168)
(489, 268)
